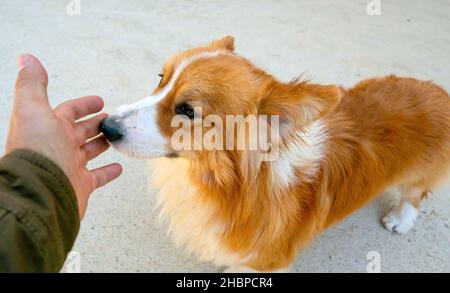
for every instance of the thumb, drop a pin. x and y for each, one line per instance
(31, 84)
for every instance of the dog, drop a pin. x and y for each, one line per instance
(337, 150)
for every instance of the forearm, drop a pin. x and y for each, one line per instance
(39, 217)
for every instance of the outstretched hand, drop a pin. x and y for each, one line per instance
(57, 133)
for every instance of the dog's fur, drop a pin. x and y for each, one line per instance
(339, 149)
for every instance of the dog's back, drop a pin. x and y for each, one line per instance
(388, 131)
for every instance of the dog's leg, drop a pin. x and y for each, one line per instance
(401, 218)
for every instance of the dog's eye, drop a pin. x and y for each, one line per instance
(162, 77)
(185, 109)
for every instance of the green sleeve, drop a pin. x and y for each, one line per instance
(39, 217)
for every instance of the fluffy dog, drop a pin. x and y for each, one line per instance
(338, 149)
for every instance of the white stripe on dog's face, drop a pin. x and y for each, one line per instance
(141, 135)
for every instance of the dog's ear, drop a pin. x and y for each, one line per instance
(226, 42)
(299, 104)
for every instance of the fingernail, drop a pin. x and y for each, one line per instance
(23, 61)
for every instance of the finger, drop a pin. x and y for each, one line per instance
(95, 147)
(89, 128)
(106, 174)
(31, 83)
(75, 109)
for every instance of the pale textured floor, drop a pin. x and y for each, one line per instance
(116, 48)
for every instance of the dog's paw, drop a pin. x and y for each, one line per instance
(401, 218)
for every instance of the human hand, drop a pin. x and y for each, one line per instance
(56, 133)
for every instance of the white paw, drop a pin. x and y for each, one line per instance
(401, 218)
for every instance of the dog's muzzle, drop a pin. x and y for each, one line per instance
(110, 127)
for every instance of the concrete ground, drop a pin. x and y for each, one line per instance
(116, 48)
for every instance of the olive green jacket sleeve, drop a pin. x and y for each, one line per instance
(39, 217)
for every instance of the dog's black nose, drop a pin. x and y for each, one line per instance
(111, 129)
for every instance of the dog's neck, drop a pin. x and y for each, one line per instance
(301, 155)
(238, 174)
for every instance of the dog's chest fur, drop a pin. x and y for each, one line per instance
(191, 222)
